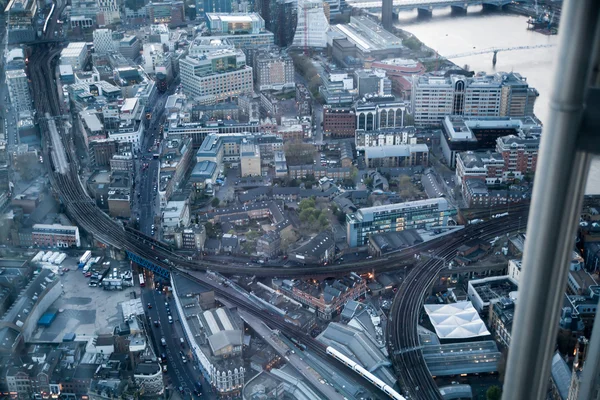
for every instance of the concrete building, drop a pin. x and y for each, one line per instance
(387, 14)
(21, 20)
(281, 168)
(372, 82)
(499, 95)
(519, 153)
(167, 12)
(273, 71)
(18, 90)
(312, 26)
(74, 55)
(339, 122)
(221, 73)
(485, 166)
(175, 160)
(213, 6)
(385, 137)
(250, 160)
(176, 213)
(318, 250)
(109, 12)
(130, 47)
(190, 238)
(337, 88)
(420, 214)
(403, 155)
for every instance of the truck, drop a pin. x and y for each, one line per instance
(53, 257)
(59, 260)
(46, 256)
(84, 258)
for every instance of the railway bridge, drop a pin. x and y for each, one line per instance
(426, 7)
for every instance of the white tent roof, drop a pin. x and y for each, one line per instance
(456, 321)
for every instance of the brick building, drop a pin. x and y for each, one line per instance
(340, 122)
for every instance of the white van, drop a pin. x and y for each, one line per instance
(170, 319)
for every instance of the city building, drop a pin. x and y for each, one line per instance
(502, 313)
(519, 153)
(420, 214)
(167, 12)
(190, 238)
(385, 137)
(234, 23)
(130, 47)
(485, 166)
(312, 25)
(175, 213)
(499, 95)
(281, 169)
(223, 74)
(461, 134)
(268, 245)
(327, 299)
(55, 235)
(337, 88)
(109, 12)
(213, 6)
(84, 14)
(402, 155)
(303, 100)
(250, 164)
(175, 160)
(320, 250)
(380, 112)
(372, 82)
(361, 40)
(104, 42)
(75, 55)
(21, 20)
(280, 18)
(387, 15)
(339, 122)
(273, 71)
(18, 90)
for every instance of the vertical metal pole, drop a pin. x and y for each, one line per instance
(557, 198)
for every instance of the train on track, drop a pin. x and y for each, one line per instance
(387, 389)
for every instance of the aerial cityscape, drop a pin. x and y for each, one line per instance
(277, 199)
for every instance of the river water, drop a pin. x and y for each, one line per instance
(477, 30)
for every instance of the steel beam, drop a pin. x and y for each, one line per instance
(561, 176)
(157, 269)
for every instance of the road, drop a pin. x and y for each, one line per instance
(179, 373)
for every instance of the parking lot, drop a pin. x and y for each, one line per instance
(84, 310)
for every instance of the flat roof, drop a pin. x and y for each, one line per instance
(456, 321)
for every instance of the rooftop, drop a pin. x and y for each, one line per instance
(456, 320)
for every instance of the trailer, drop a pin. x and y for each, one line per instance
(59, 260)
(46, 256)
(38, 256)
(85, 258)
(53, 257)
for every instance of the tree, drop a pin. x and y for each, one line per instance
(288, 237)
(494, 393)
(215, 202)
(412, 43)
(299, 153)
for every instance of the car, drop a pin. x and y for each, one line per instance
(156, 323)
(166, 304)
(149, 305)
(181, 389)
(88, 274)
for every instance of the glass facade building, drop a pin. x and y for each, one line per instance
(418, 214)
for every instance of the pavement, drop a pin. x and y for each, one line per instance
(86, 311)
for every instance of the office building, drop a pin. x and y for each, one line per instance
(273, 71)
(312, 26)
(372, 82)
(74, 55)
(385, 137)
(109, 12)
(339, 122)
(403, 155)
(337, 88)
(280, 18)
(461, 134)
(234, 23)
(484, 166)
(20, 20)
(420, 214)
(387, 14)
(499, 95)
(520, 154)
(104, 42)
(18, 90)
(130, 47)
(84, 14)
(222, 73)
(213, 6)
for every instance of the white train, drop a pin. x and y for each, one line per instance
(364, 373)
(500, 215)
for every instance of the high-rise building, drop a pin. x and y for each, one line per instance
(501, 94)
(234, 23)
(312, 25)
(109, 12)
(418, 214)
(103, 41)
(167, 12)
(18, 90)
(221, 73)
(387, 14)
(280, 18)
(213, 6)
(21, 17)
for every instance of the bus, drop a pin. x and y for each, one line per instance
(142, 283)
(84, 258)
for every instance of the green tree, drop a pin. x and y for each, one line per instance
(323, 220)
(215, 202)
(494, 393)
(413, 43)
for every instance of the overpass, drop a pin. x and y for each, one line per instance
(426, 7)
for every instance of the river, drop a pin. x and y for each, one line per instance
(477, 30)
